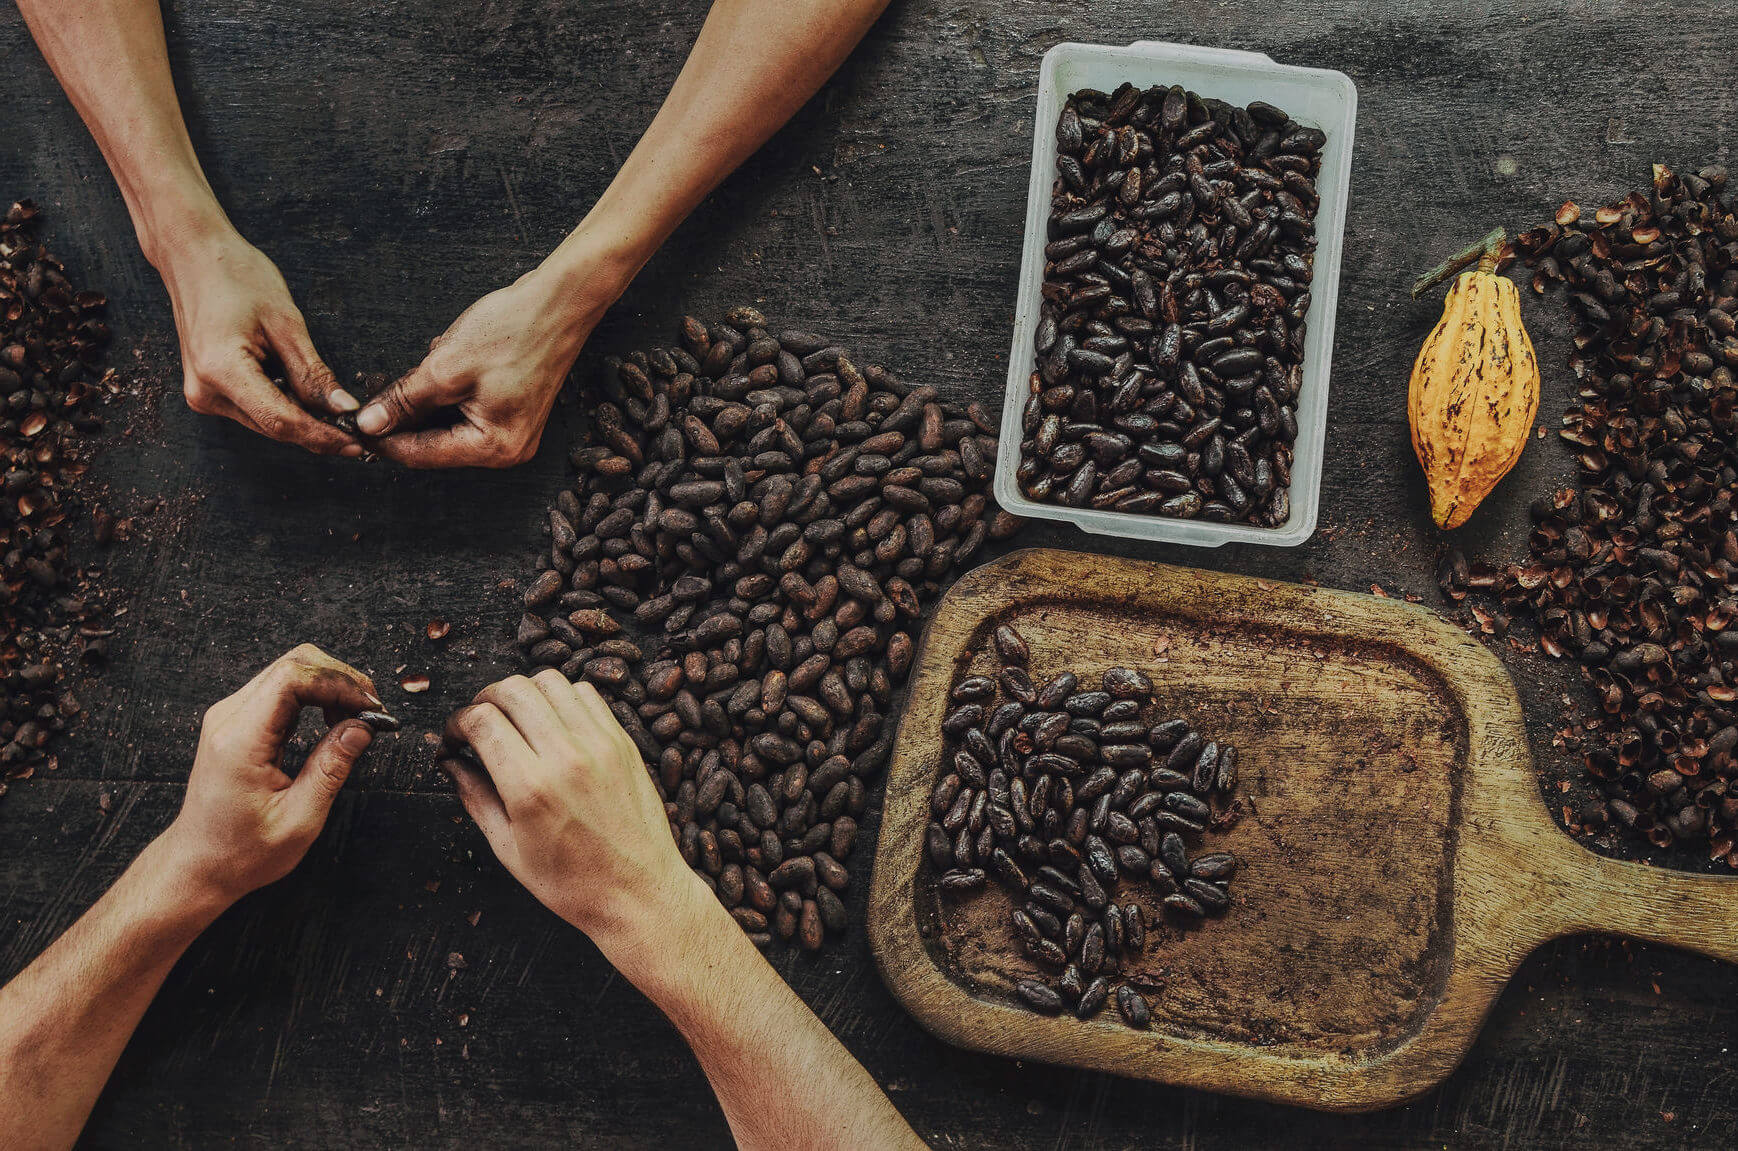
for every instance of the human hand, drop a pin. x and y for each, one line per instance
(498, 368)
(244, 823)
(569, 809)
(232, 310)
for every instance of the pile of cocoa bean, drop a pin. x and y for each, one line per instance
(52, 340)
(740, 569)
(1634, 572)
(1176, 281)
(1060, 792)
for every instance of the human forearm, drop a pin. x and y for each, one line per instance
(781, 1077)
(232, 309)
(65, 1019)
(753, 65)
(501, 364)
(564, 799)
(243, 824)
(111, 59)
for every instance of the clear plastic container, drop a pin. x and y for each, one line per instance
(1315, 97)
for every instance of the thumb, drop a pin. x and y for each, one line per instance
(326, 769)
(407, 400)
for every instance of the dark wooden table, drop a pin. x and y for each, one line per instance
(398, 160)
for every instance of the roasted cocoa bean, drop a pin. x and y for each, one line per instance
(1040, 997)
(1060, 814)
(1133, 1007)
(764, 516)
(1093, 998)
(1173, 307)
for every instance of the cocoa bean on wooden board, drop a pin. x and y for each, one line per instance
(1060, 817)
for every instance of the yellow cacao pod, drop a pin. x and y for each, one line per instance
(1474, 393)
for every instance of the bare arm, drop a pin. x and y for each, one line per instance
(244, 823)
(568, 807)
(232, 308)
(66, 1017)
(754, 64)
(503, 361)
(779, 1074)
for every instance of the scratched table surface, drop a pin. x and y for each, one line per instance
(398, 159)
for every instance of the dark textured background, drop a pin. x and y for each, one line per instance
(398, 159)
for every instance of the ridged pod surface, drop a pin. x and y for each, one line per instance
(1474, 394)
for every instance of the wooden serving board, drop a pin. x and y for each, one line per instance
(1396, 860)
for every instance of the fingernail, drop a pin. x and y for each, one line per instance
(372, 698)
(352, 451)
(372, 420)
(343, 401)
(355, 738)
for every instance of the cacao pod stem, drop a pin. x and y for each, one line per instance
(1486, 251)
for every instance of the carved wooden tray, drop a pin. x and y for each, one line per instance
(1396, 863)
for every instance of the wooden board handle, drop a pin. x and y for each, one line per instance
(1694, 912)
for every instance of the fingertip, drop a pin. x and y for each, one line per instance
(354, 737)
(319, 436)
(276, 416)
(374, 420)
(342, 401)
(338, 444)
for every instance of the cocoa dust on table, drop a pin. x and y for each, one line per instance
(55, 618)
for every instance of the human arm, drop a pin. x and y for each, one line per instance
(568, 807)
(243, 824)
(232, 308)
(502, 362)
